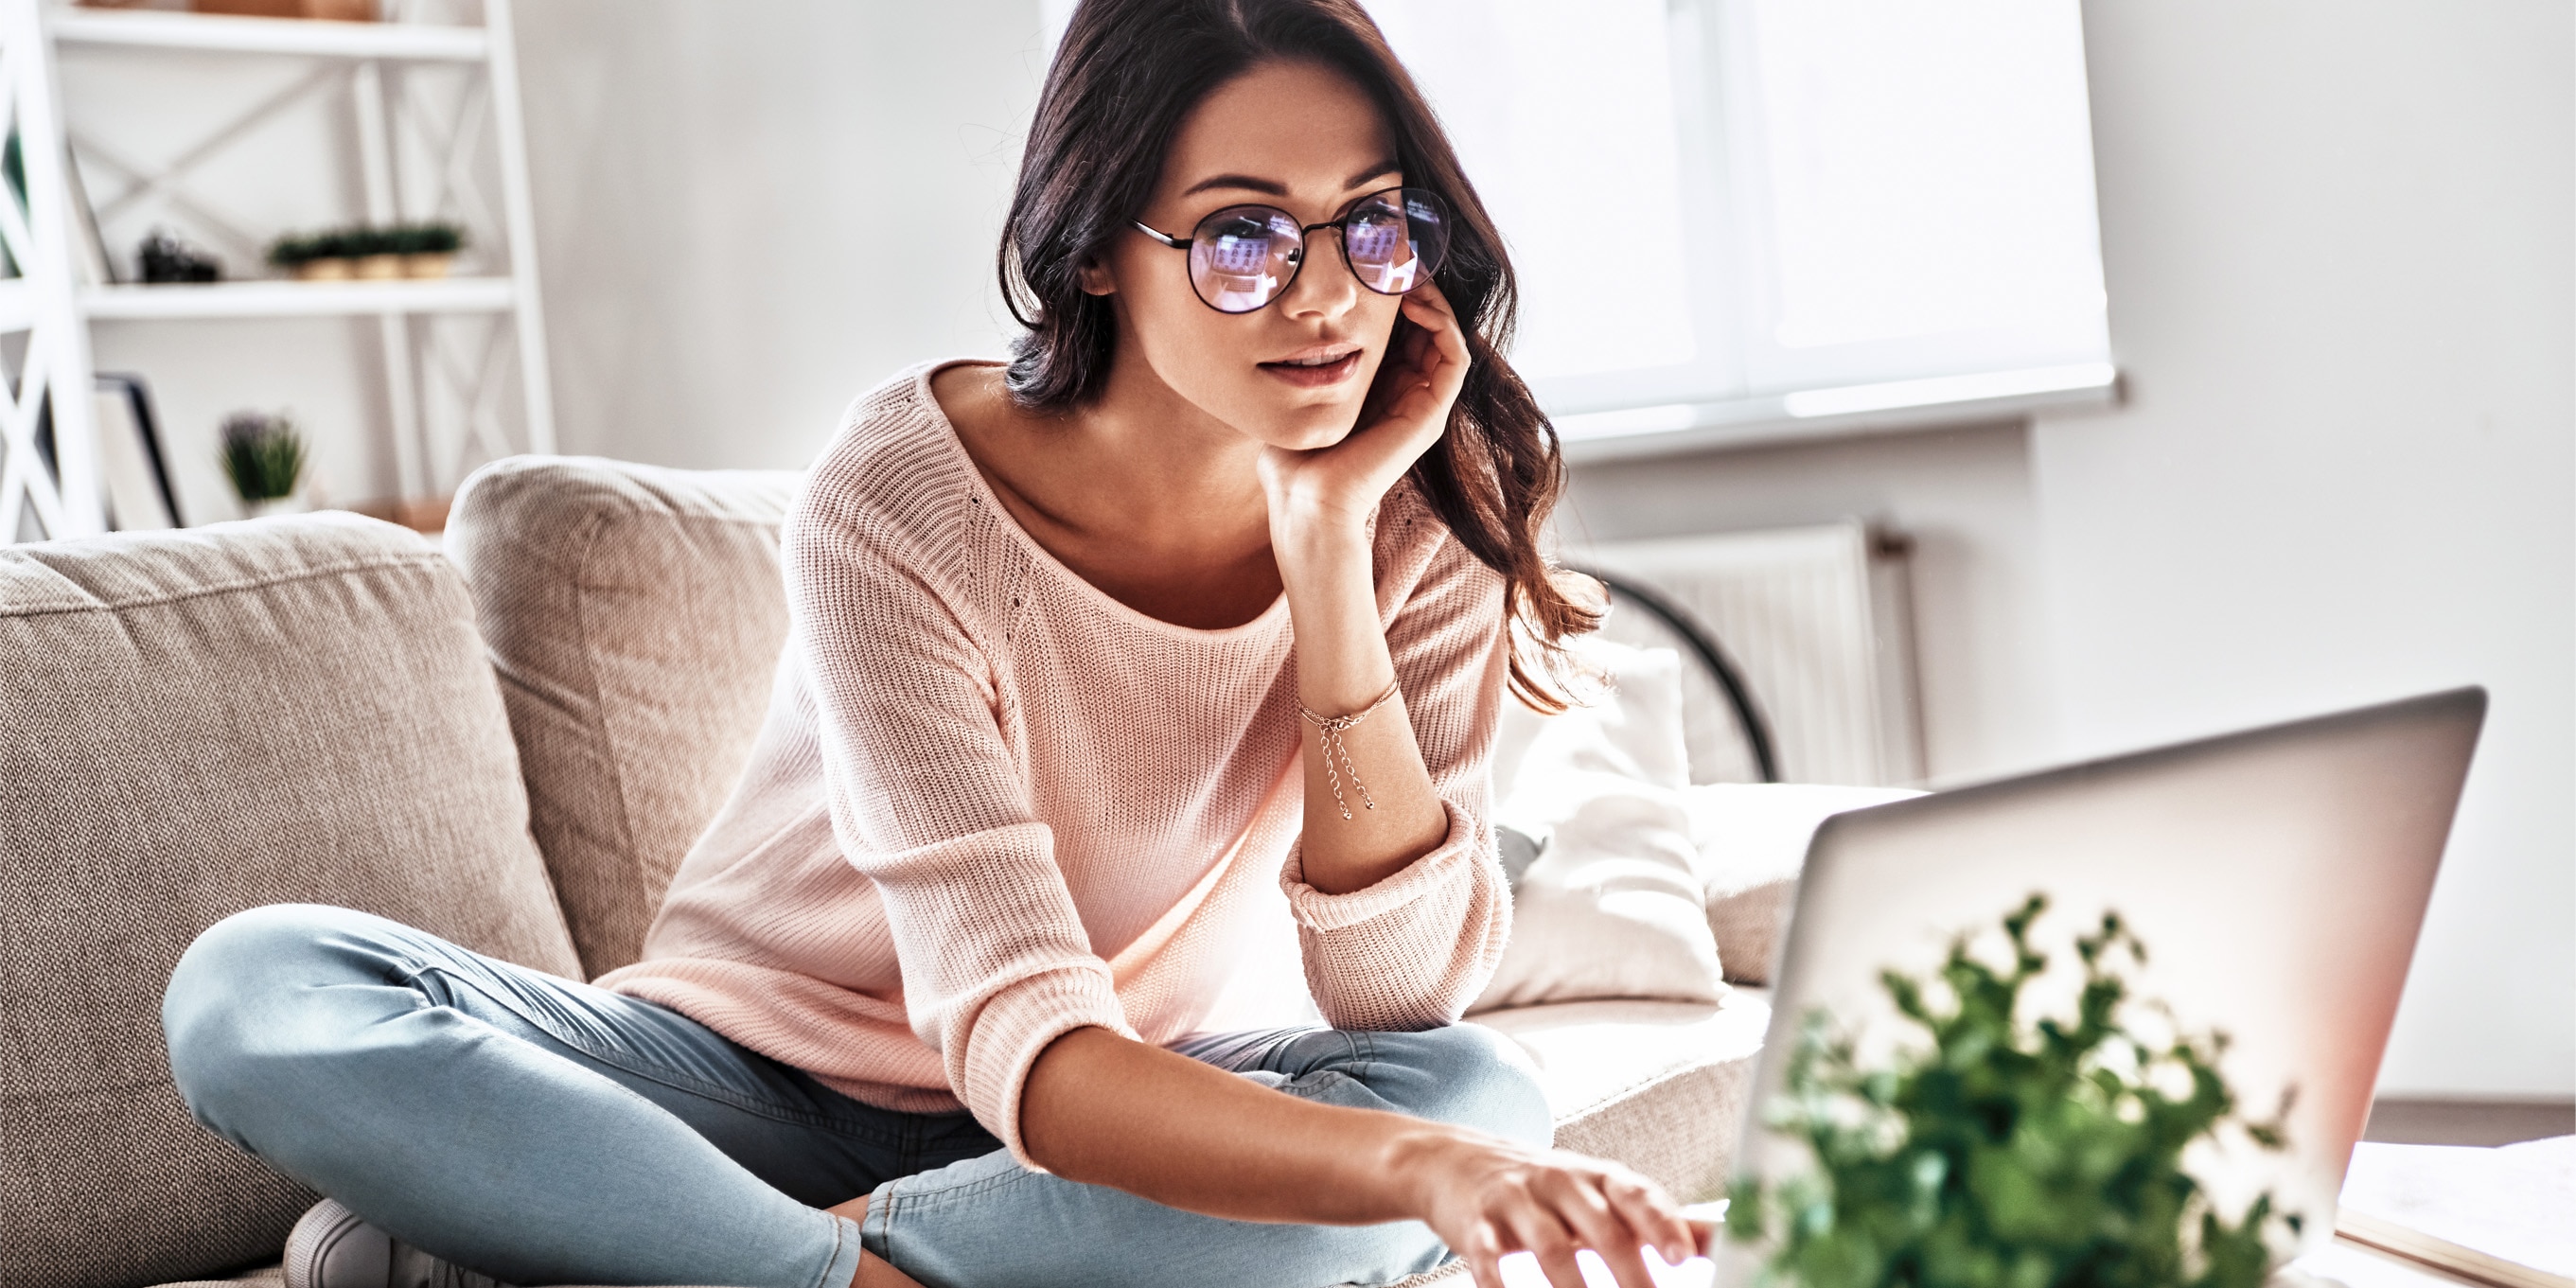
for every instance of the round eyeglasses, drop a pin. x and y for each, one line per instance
(1243, 257)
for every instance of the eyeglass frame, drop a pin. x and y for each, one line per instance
(1304, 231)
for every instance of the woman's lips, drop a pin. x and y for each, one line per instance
(1316, 377)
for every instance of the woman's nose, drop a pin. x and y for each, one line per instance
(1323, 285)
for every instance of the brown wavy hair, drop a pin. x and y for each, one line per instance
(1125, 75)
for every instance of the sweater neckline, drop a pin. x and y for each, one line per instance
(985, 498)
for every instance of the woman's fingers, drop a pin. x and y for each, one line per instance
(1580, 1203)
(1653, 1215)
(1540, 1232)
(1439, 327)
(1483, 1252)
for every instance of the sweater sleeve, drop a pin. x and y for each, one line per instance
(1412, 951)
(926, 802)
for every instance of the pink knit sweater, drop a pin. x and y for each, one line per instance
(990, 804)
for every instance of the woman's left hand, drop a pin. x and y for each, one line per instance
(1403, 417)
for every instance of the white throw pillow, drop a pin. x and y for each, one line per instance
(1751, 840)
(1633, 722)
(1614, 904)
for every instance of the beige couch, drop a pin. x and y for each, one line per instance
(509, 743)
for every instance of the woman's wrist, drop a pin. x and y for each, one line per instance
(1325, 564)
(1306, 535)
(1419, 1164)
(1328, 573)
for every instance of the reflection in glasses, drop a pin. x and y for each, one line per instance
(1242, 257)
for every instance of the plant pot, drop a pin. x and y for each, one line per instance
(329, 269)
(430, 264)
(343, 10)
(251, 8)
(296, 504)
(379, 268)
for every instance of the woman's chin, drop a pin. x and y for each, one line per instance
(1309, 432)
(1305, 426)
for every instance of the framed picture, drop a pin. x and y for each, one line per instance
(131, 466)
(133, 472)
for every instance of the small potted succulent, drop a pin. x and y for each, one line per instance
(372, 257)
(422, 250)
(427, 250)
(263, 455)
(312, 257)
(2008, 1149)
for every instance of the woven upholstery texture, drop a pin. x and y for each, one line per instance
(194, 723)
(1657, 1085)
(1750, 924)
(635, 616)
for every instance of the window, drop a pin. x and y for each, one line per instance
(1756, 218)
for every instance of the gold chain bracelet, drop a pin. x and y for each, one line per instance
(1329, 734)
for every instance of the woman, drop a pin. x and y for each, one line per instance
(922, 1004)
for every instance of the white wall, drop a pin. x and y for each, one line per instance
(751, 213)
(2337, 240)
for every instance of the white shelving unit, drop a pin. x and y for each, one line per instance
(301, 299)
(55, 308)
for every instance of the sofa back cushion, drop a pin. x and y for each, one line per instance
(193, 723)
(635, 616)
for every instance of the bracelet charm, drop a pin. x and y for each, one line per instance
(1329, 730)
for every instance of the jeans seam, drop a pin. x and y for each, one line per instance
(669, 1078)
(838, 1238)
(947, 1193)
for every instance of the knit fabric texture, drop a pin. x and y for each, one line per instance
(990, 804)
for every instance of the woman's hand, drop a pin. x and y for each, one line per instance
(1487, 1197)
(1403, 417)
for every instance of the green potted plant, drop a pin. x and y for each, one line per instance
(357, 251)
(314, 257)
(263, 456)
(375, 254)
(427, 249)
(2005, 1150)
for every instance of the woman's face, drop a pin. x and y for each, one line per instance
(1300, 137)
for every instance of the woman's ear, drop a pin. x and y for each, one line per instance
(1096, 278)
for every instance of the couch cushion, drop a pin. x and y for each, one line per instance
(193, 723)
(635, 616)
(1752, 840)
(1659, 1086)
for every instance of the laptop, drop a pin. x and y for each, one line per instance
(2277, 877)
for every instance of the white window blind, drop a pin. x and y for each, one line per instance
(1749, 219)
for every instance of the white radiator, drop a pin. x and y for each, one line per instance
(1816, 619)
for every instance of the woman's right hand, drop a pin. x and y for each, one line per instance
(1486, 1197)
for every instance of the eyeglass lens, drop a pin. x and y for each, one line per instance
(1242, 257)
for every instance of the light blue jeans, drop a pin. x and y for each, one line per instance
(543, 1131)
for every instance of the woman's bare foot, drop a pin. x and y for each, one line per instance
(872, 1272)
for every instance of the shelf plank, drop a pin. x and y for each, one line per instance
(309, 37)
(298, 299)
